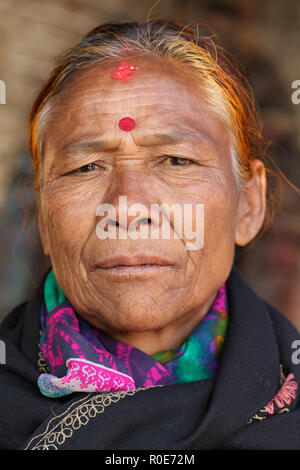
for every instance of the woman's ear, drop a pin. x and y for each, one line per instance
(252, 205)
(43, 232)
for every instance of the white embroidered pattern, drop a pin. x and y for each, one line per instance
(78, 414)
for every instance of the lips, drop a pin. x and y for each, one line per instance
(136, 260)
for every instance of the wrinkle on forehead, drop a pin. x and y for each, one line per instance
(94, 103)
(96, 84)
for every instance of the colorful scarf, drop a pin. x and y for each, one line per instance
(81, 358)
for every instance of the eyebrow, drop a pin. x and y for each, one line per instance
(93, 144)
(155, 139)
(113, 144)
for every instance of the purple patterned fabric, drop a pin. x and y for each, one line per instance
(82, 358)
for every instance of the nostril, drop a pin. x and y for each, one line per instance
(113, 222)
(145, 221)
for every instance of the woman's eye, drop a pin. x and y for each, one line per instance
(87, 168)
(178, 161)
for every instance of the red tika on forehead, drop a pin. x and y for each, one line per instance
(127, 124)
(124, 71)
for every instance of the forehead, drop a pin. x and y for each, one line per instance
(160, 96)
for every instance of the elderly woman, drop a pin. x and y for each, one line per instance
(149, 171)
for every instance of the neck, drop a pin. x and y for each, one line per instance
(171, 336)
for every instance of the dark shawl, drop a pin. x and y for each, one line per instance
(223, 413)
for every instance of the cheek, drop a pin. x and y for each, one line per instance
(220, 222)
(210, 266)
(220, 204)
(70, 219)
(219, 199)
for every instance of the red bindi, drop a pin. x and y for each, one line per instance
(127, 124)
(124, 71)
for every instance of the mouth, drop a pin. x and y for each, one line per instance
(128, 267)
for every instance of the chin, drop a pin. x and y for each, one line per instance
(138, 323)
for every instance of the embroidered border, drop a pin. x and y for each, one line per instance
(42, 364)
(78, 414)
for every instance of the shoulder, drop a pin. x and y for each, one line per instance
(280, 321)
(239, 289)
(11, 325)
(288, 339)
(24, 319)
(266, 316)
(13, 317)
(20, 335)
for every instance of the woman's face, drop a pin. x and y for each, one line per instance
(177, 153)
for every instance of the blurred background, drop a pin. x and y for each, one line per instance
(265, 37)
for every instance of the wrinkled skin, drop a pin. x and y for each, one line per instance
(157, 311)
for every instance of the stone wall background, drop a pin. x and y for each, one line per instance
(263, 34)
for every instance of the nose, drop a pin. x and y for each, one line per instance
(130, 203)
(128, 221)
